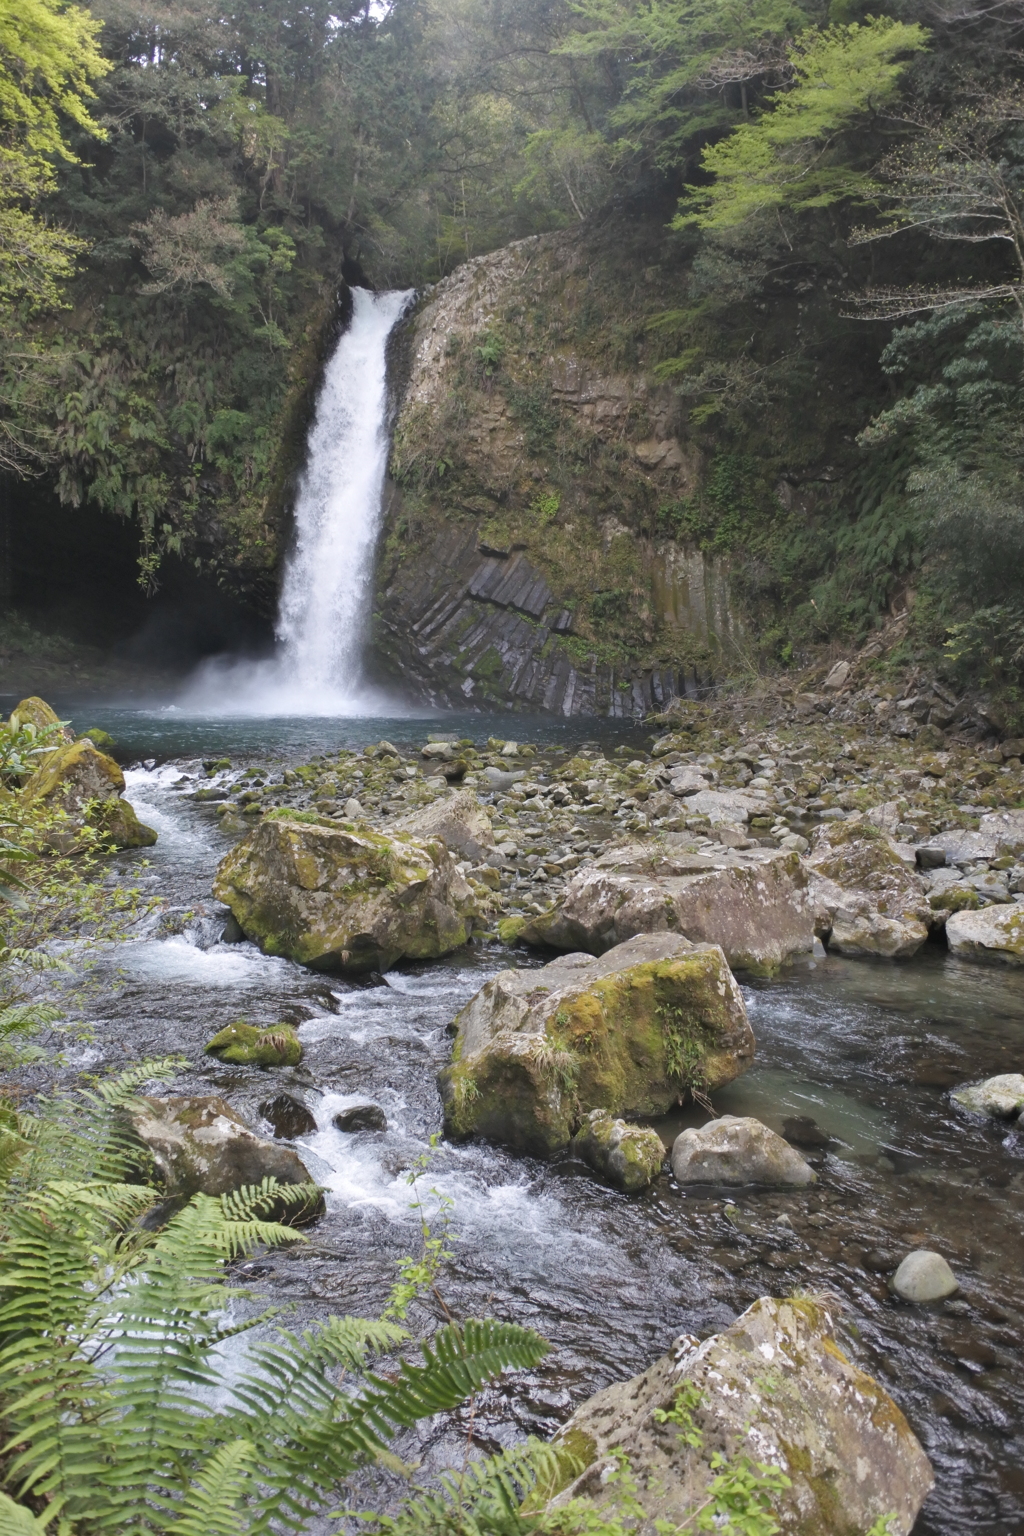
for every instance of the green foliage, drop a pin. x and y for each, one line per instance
(786, 157)
(109, 1336)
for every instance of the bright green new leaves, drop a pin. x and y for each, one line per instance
(676, 55)
(788, 155)
(49, 58)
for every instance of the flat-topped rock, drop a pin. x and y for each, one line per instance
(201, 1146)
(631, 1032)
(774, 1388)
(754, 903)
(340, 896)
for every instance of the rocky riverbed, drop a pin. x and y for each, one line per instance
(856, 1054)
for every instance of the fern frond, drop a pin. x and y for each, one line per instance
(213, 1505)
(485, 1499)
(16, 1520)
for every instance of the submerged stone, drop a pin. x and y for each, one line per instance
(633, 1033)
(343, 897)
(629, 1156)
(773, 1390)
(246, 1046)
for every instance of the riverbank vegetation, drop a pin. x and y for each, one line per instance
(830, 200)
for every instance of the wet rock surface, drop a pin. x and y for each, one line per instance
(737, 1150)
(923, 1277)
(774, 1387)
(866, 1049)
(202, 1146)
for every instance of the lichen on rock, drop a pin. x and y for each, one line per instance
(628, 1156)
(88, 785)
(633, 1033)
(753, 903)
(773, 1391)
(340, 896)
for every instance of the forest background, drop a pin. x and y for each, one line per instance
(835, 193)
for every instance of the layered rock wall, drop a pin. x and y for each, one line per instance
(525, 560)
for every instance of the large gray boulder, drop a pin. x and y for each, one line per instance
(339, 896)
(753, 903)
(200, 1146)
(993, 936)
(633, 1033)
(867, 901)
(458, 819)
(773, 1390)
(736, 1149)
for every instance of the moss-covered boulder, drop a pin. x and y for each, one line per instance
(869, 902)
(341, 897)
(775, 1390)
(200, 1145)
(36, 712)
(994, 936)
(751, 902)
(628, 1156)
(246, 1046)
(100, 738)
(633, 1033)
(88, 785)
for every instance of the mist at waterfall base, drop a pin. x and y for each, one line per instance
(317, 668)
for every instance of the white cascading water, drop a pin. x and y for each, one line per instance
(325, 597)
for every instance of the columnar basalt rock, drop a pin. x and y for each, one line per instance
(633, 1033)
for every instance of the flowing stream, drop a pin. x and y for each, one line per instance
(325, 595)
(869, 1050)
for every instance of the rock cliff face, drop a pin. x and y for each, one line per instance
(535, 470)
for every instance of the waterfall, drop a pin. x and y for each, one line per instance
(325, 596)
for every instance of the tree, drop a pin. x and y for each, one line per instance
(788, 155)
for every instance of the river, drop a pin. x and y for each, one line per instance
(867, 1049)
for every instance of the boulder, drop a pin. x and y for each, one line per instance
(628, 1156)
(458, 819)
(36, 712)
(1001, 1097)
(993, 936)
(289, 1116)
(752, 902)
(687, 780)
(246, 1046)
(342, 897)
(633, 1033)
(867, 901)
(924, 1276)
(736, 1149)
(88, 785)
(773, 1390)
(724, 805)
(200, 1146)
(361, 1117)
